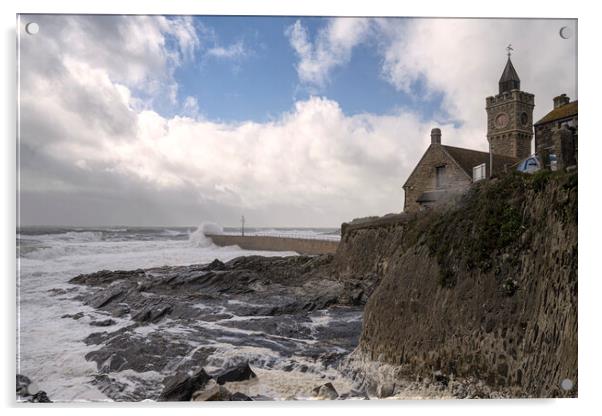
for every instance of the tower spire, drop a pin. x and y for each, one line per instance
(509, 80)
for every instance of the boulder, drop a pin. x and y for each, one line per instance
(215, 265)
(105, 322)
(240, 372)
(23, 383)
(326, 392)
(75, 316)
(240, 397)
(180, 387)
(212, 392)
(40, 397)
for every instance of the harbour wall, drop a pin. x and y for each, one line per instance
(269, 243)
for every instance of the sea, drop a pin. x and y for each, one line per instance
(50, 349)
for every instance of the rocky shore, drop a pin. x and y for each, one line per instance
(193, 325)
(28, 391)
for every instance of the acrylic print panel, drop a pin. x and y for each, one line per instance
(283, 208)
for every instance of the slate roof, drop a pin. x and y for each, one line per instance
(509, 79)
(468, 159)
(565, 111)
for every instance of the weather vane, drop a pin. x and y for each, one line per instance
(509, 48)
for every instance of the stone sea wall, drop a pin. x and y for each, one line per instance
(267, 243)
(484, 289)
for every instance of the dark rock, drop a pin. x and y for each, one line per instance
(240, 397)
(120, 310)
(326, 392)
(181, 386)
(75, 316)
(106, 322)
(215, 265)
(40, 397)
(240, 372)
(124, 349)
(212, 392)
(106, 297)
(95, 338)
(261, 398)
(23, 383)
(153, 313)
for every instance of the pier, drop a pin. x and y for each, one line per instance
(301, 245)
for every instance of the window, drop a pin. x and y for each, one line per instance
(440, 176)
(479, 172)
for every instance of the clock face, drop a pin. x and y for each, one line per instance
(501, 120)
(524, 119)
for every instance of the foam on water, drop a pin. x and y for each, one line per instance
(50, 350)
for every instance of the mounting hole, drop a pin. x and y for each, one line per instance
(567, 384)
(566, 32)
(32, 28)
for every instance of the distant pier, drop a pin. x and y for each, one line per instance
(301, 245)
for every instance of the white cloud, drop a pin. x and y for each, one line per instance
(233, 51)
(191, 105)
(461, 59)
(332, 47)
(464, 58)
(87, 130)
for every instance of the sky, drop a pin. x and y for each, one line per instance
(290, 121)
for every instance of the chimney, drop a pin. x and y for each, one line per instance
(436, 136)
(561, 100)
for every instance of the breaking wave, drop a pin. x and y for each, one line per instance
(199, 238)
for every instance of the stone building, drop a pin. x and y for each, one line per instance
(446, 170)
(556, 133)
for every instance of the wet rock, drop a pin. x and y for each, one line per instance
(241, 372)
(215, 265)
(23, 383)
(120, 310)
(25, 388)
(127, 349)
(212, 392)
(195, 296)
(105, 322)
(105, 297)
(154, 313)
(95, 338)
(326, 392)
(240, 397)
(40, 397)
(75, 316)
(181, 386)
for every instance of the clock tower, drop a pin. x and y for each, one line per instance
(510, 116)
